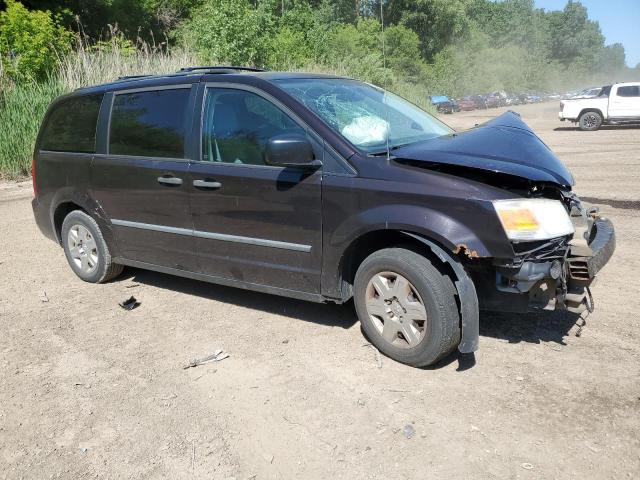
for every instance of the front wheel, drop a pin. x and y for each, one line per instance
(407, 308)
(590, 121)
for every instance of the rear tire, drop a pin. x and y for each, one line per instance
(393, 289)
(590, 121)
(86, 250)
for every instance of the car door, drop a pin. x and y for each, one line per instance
(141, 178)
(624, 102)
(253, 223)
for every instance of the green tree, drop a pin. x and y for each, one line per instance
(31, 42)
(402, 51)
(437, 23)
(575, 37)
(229, 31)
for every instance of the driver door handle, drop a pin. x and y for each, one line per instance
(209, 184)
(170, 180)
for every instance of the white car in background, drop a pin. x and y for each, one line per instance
(615, 105)
(588, 93)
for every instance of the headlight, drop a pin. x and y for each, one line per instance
(533, 219)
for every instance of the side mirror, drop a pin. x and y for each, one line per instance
(290, 150)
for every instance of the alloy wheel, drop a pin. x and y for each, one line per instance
(590, 121)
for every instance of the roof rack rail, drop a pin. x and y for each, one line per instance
(132, 77)
(220, 69)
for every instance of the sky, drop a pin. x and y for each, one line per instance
(619, 21)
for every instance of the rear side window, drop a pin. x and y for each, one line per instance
(632, 91)
(149, 124)
(71, 126)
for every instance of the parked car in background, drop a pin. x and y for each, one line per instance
(318, 188)
(615, 105)
(480, 101)
(588, 93)
(493, 101)
(466, 104)
(444, 104)
(512, 100)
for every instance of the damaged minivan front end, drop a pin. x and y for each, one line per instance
(556, 244)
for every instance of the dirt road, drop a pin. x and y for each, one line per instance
(89, 390)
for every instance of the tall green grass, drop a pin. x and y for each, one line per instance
(21, 109)
(23, 105)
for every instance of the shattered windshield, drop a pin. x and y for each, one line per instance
(370, 118)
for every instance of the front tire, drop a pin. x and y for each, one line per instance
(407, 308)
(86, 250)
(590, 121)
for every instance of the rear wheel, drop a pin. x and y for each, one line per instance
(590, 121)
(407, 308)
(86, 250)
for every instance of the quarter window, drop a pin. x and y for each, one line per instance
(149, 124)
(71, 126)
(631, 91)
(238, 124)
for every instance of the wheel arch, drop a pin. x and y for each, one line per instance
(60, 213)
(66, 201)
(449, 263)
(359, 235)
(591, 109)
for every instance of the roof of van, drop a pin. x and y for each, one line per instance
(196, 74)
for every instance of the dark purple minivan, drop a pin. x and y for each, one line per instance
(319, 188)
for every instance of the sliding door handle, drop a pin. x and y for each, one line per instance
(170, 180)
(209, 184)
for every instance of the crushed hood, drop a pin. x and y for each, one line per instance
(504, 144)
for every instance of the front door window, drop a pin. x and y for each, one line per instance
(238, 124)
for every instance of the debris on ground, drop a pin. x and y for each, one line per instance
(44, 298)
(133, 285)
(377, 352)
(527, 466)
(408, 431)
(130, 303)
(215, 357)
(285, 341)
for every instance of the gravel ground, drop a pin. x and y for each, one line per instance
(92, 391)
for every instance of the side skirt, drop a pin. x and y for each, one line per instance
(228, 282)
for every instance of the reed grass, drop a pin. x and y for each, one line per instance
(23, 104)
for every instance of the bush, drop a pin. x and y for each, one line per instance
(228, 32)
(32, 43)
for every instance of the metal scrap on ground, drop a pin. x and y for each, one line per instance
(130, 303)
(216, 357)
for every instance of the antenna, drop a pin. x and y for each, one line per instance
(384, 72)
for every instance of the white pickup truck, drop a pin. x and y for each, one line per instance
(615, 105)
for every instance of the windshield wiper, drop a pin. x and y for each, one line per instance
(391, 149)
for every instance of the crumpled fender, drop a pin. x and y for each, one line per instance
(469, 307)
(453, 234)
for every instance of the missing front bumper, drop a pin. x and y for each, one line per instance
(559, 283)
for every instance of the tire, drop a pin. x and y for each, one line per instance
(590, 121)
(86, 250)
(414, 343)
